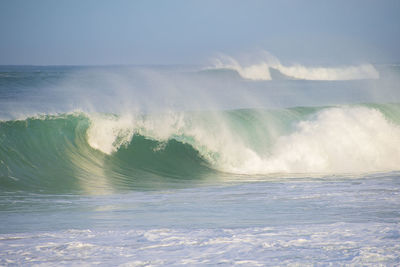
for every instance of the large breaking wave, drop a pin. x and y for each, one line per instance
(95, 152)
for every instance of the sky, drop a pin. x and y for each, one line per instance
(100, 32)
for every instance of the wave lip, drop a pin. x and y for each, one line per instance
(348, 139)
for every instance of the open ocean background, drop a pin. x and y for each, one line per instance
(191, 165)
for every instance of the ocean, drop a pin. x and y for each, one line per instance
(260, 165)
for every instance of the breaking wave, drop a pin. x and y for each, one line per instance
(94, 152)
(264, 70)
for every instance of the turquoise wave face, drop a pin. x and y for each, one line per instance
(103, 153)
(52, 154)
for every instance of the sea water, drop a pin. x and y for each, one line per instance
(192, 165)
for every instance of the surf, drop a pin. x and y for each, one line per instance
(268, 67)
(100, 152)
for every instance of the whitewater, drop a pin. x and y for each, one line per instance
(233, 163)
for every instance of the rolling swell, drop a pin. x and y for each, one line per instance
(102, 153)
(51, 154)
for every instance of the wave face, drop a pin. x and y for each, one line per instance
(264, 71)
(98, 153)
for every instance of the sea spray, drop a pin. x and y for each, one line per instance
(80, 148)
(333, 140)
(108, 132)
(261, 69)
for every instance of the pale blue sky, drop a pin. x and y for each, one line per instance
(46, 32)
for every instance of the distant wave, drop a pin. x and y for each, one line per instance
(93, 151)
(262, 70)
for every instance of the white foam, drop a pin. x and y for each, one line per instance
(354, 244)
(359, 72)
(209, 134)
(334, 140)
(108, 133)
(261, 70)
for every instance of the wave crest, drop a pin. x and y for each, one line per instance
(99, 152)
(262, 70)
(332, 140)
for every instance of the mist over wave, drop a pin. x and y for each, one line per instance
(116, 151)
(330, 140)
(146, 150)
(103, 128)
(262, 68)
